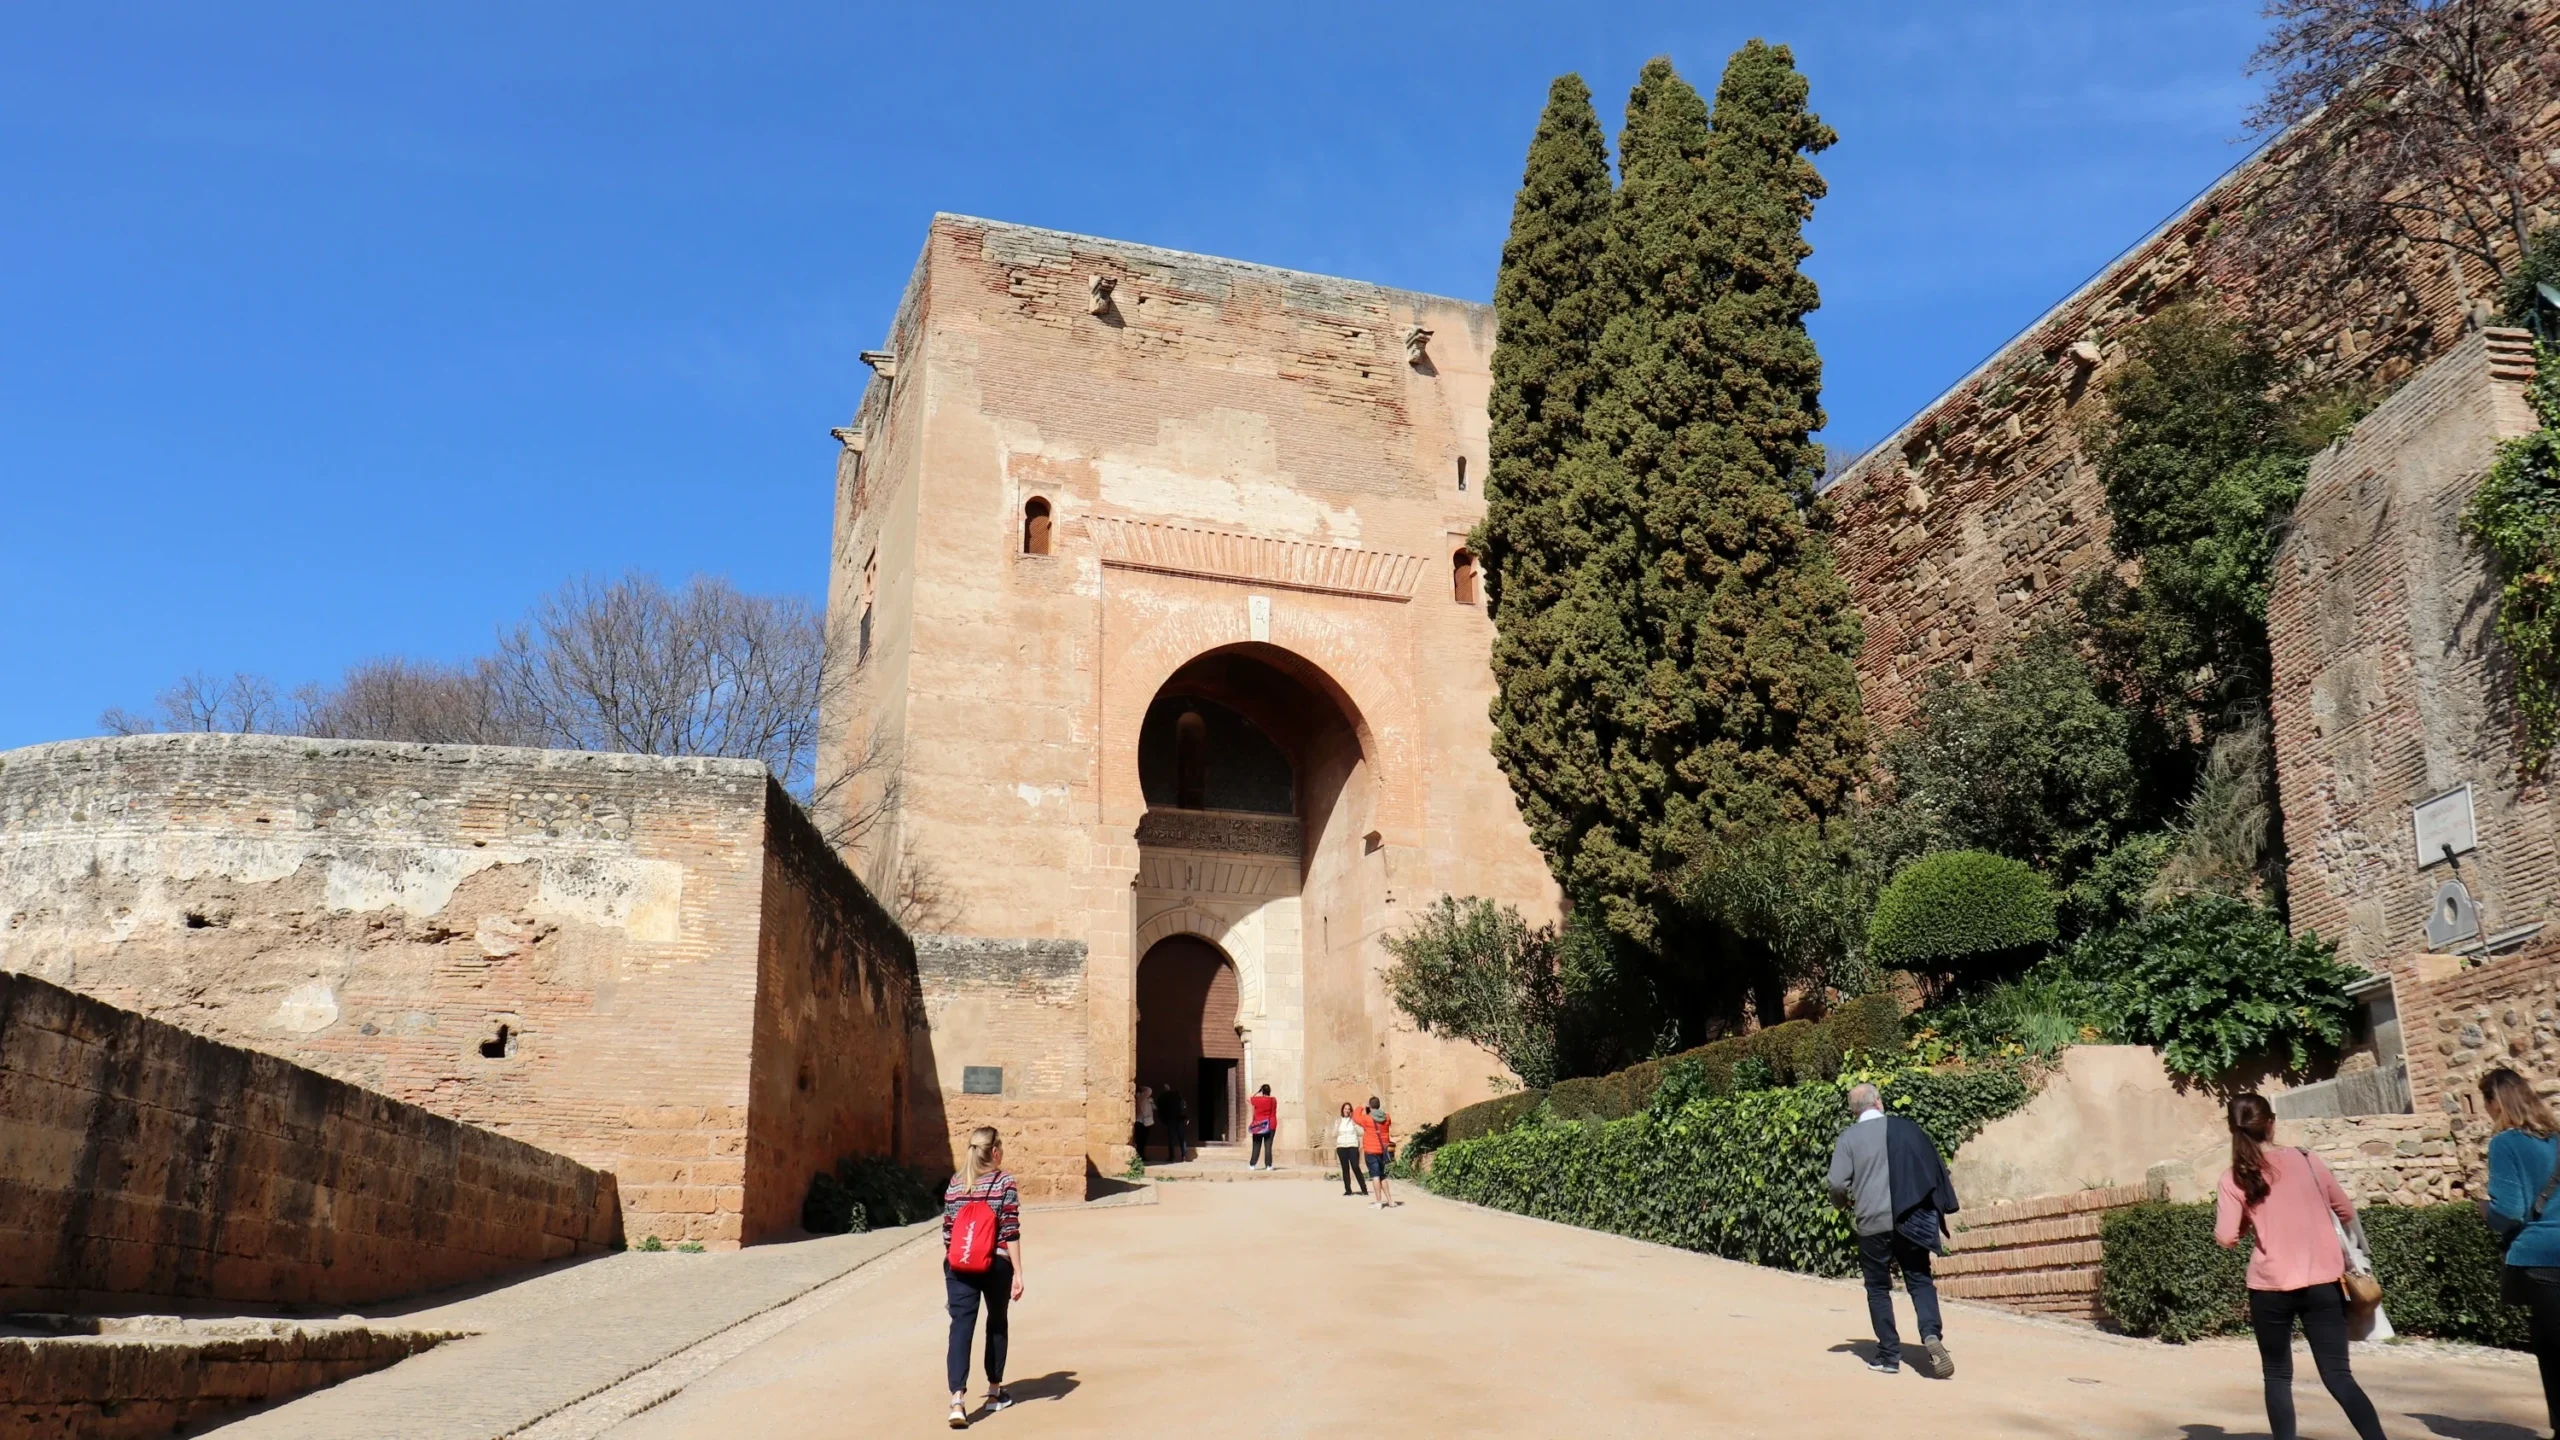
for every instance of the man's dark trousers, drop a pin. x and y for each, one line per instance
(1877, 1256)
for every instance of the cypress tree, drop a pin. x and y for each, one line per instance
(1546, 537)
(1743, 711)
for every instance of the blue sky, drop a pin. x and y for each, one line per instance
(331, 330)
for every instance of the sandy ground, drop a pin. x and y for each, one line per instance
(1280, 1309)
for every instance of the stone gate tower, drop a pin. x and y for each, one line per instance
(1172, 672)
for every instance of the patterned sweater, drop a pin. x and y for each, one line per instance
(997, 1188)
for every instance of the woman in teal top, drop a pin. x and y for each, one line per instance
(2523, 1157)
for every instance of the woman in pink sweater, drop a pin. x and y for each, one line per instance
(2286, 1198)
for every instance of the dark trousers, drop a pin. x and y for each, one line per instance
(963, 1292)
(2323, 1312)
(1174, 1145)
(2542, 1309)
(1261, 1152)
(1349, 1155)
(1877, 1257)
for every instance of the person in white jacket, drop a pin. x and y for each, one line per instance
(1346, 1148)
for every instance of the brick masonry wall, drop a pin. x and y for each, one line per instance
(1983, 512)
(140, 1163)
(2387, 680)
(1018, 1006)
(835, 1006)
(2041, 1256)
(378, 912)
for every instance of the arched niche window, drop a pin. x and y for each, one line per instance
(1191, 762)
(1035, 526)
(1462, 577)
(1196, 754)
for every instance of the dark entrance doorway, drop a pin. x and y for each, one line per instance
(1187, 1040)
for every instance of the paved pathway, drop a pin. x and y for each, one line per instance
(591, 1332)
(1284, 1310)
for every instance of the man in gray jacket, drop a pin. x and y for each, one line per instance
(1885, 1170)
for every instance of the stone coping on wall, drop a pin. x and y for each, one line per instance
(126, 1378)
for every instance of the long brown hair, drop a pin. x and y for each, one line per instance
(2512, 1103)
(2253, 1125)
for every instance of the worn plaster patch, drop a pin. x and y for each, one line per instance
(415, 881)
(309, 1006)
(643, 898)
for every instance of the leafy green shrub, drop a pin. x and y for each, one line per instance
(1422, 1141)
(867, 1192)
(2163, 1274)
(1475, 970)
(1734, 1175)
(1949, 911)
(2438, 1265)
(1491, 1117)
(2215, 982)
(2037, 1013)
(2439, 1270)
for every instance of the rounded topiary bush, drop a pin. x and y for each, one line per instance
(1942, 911)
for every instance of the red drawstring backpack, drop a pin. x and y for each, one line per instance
(973, 1238)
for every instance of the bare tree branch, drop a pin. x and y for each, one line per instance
(2417, 125)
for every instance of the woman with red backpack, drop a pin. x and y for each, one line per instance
(981, 1260)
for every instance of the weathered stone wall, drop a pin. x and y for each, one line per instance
(157, 1379)
(1238, 460)
(2460, 1020)
(379, 912)
(2387, 682)
(1982, 512)
(836, 1003)
(140, 1163)
(1015, 1006)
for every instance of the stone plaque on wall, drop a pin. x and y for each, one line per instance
(2444, 826)
(982, 1080)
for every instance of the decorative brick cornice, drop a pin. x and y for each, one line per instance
(1255, 559)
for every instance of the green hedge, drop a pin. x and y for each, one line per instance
(1489, 1117)
(1732, 1175)
(1794, 1053)
(2438, 1265)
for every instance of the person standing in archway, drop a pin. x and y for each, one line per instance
(1377, 1146)
(1347, 1134)
(1146, 1121)
(1177, 1145)
(1264, 1126)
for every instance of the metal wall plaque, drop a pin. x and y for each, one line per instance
(2443, 825)
(982, 1080)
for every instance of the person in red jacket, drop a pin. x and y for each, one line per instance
(1265, 1124)
(1377, 1146)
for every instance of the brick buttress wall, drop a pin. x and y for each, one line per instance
(2387, 680)
(141, 1163)
(836, 1002)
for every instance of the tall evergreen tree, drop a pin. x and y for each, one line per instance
(1549, 539)
(1700, 633)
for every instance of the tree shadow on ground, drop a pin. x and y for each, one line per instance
(1056, 1385)
(2453, 1429)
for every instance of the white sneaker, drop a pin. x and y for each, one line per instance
(998, 1399)
(959, 1415)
